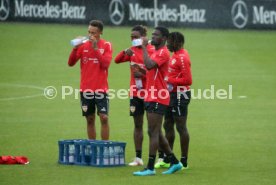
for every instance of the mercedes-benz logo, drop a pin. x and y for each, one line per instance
(239, 14)
(116, 12)
(4, 9)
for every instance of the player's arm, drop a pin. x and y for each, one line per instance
(106, 57)
(185, 76)
(74, 56)
(150, 64)
(138, 72)
(122, 57)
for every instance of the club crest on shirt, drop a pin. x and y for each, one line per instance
(132, 109)
(173, 61)
(84, 108)
(101, 51)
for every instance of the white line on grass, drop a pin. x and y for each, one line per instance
(22, 86)
(242, 97)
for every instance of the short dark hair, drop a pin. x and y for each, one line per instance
(141, 29)
(97, 23)
(164, 31)
(177, 37)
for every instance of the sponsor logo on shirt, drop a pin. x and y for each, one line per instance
(173, 61)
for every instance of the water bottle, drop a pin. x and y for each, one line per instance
(87, 154)
(78, 41)
(98, 155)
(138, 82)
(122, 157)
(116, 155)
(106, 156)
(170, 87)
(71, 153)
(111, 155)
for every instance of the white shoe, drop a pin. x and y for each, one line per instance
(136, 162)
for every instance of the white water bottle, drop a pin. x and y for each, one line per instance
(71, 153)
(138, 82)
(170, 87)
(78, 41)
(106, 156)
(111, 155)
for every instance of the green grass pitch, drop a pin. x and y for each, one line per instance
(232, 141)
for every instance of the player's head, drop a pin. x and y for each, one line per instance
(95, 28)
(159, 36)
(175, 41)
(138, 31)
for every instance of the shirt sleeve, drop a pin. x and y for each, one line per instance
(122, 57)
(106, 57)
(162, 57)
(185, 76)
(75, 55)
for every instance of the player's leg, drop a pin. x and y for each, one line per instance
(88, 110)
(163, 161)
(175, 165)
(102, 104)
(138, 134)
(184, 138)
(104, 126)
(91, 129)
(154, 127)
(181, 126)
(137, 112)
(169, 127)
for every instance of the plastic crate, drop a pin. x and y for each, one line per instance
(92, 152)
(66, 151)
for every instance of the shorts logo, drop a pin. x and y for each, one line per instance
(84, 108)
(103, 109)
(132, 109)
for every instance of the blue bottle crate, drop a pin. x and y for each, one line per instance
(92, 153)
(66, 152)
(109, 154)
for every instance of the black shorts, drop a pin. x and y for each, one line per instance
(90, 100)
(178, 104)
(154, 107)
(136, 106)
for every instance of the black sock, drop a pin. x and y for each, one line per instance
(184, 160)
(173, 159)
(151, 162)
(160, 154)
(166, 159)
(139, 154)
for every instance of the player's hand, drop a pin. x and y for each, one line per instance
(139, 69)
(94, 42)
(129, 52)
(145, 41)
(137, 74)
